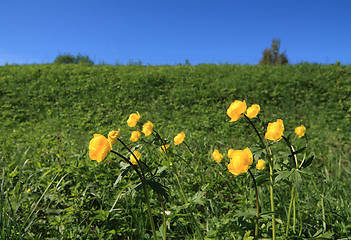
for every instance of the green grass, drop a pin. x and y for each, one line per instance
(50, 189)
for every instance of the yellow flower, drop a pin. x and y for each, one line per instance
(275, 130)
(163, 148)
(113, 136)
(260, 164)
(99, 146)
(133, 119)
(217, 156)
(132, 158)
(230, 153)
(240, 162)
(135, 136)
(147, 128)
(300, 131)
(252, 111)
(179, 138)
(236, 110)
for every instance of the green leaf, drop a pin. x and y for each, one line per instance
(306, 163)
(247, 236)
(158, 188)
(283, 175)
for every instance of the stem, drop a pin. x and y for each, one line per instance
(271, 168)
(142, 178)
(257, 205)
(293, 155)
(185, 202)
(272, 196)
(289, 211)
(258, 134)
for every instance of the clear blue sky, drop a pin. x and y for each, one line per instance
(171, 31)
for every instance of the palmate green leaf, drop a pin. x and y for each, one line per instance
(283, 175)
(295, 177)
(261, 179)
(157, 187)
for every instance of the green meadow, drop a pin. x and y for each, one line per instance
(51, 189)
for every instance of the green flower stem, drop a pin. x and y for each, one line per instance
(254, 127)
(187, 146)
(185, 202)
(142, 178)
(149, 212)
(291, 205)
(293, 155)
(271, 178)
(142, 172)
(271, 190)
(257, 205)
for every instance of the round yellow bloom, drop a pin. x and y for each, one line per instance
(179, 138)
(240, 162)
(300, 131)
(135, 136)
(99, 146)
(252, 111)
(230, 153)
(147, 128)
(113, 136)
(260, 164)
(236, 110)
(275, 130)
(217, 156)
(132, 158)
(133, 119)
(163, 148)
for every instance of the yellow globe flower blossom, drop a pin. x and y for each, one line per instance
(260, 164)
(135, 136)
(300, 131)
(252, 111)
(217, 156)
(236, 110)
(275, 130)
(99, 146)
(147, 128)
(113, 136)
(133, 119)
(230, 153)
(132, 158)
(240, 162)
(163, 148)
(179, 138)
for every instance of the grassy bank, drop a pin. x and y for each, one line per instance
(51, 189)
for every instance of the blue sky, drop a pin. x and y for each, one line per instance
(171, 31)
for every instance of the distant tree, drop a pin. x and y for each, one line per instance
(68, 58)
(271, 56)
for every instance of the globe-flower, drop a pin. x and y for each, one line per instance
(163, 148)
(132, 158)
(135, 136)
(240, 162)
(260, 164)
(147, 128)
(179, 138)
(275, 130)
(300, 131)
(230, 153)
(217, 156)
(113, 136)
(133, 119)
(236, 110)
(252, 111)
(99, 146)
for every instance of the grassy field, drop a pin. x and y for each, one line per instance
(51, 189)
